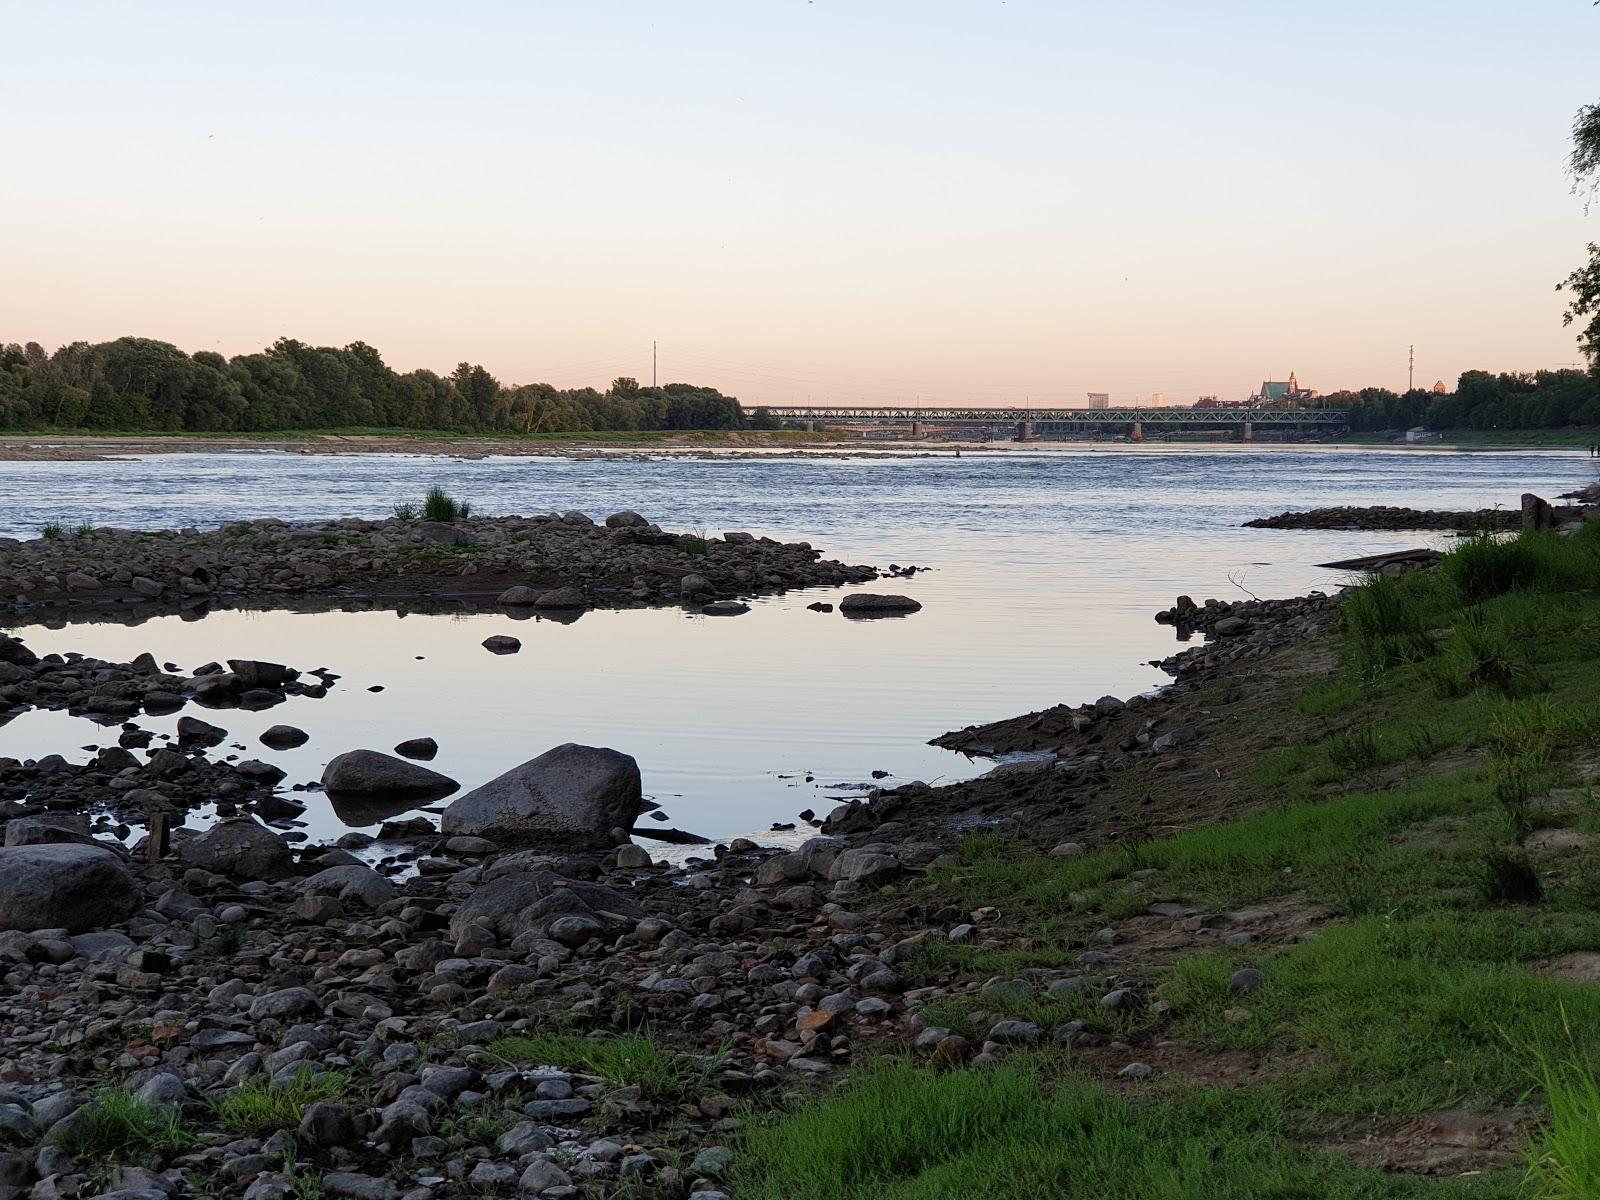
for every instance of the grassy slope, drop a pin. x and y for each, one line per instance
(1410, 807)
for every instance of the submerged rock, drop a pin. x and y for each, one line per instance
(876, 604)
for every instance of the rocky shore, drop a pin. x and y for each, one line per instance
(522, 1003)
(1533, 512)
(1382, 516)
(556, 564)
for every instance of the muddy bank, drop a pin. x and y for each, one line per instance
(557, 565)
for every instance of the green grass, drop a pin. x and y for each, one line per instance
(259, 1108)
(1399, 1015)
(1564, 1159)
(896, 1132)
(52, 531)
(617, 1059)
(118, 1128)
(479, 1126)
(1250, 859)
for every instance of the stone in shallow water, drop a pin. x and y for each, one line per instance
(569, 793)
(369, 773)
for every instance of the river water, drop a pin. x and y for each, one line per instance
(1046, 568)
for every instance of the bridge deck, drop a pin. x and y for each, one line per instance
(1088, 416)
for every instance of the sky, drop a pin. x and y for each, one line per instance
(809, 200)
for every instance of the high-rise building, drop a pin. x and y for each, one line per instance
(1099, 399)
(1157, 399)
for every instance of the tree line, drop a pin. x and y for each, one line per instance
(1482, 400)
(142, 384)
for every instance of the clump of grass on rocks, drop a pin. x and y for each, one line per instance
(259, 1107)
(617, 1059)
(117, 1127)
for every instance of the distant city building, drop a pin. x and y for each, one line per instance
(1157, 399)
(1287, 391)
(1438, 387)
(1099, 399)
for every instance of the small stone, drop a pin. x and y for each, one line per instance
(1014, 1033)
(1246, 980)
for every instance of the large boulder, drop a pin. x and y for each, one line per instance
(64, 886)
(570, 794)
(242, 848)
(531, 901)
(367, 773)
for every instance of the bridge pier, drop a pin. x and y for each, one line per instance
(1025, 430)
(1249, 432)
(1136, 434)
(916, 429)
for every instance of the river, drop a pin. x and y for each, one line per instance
(1045, 568)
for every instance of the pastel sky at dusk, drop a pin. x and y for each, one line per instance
(837, 201)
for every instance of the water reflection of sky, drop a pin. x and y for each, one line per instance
(1048, 569)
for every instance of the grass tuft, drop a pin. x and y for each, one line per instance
(618, 1059)
(439, 505)
(117, 1128)
(259, 1108)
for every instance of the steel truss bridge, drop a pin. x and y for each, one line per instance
(1257, 417)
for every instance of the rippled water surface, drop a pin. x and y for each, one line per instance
(1046, 569)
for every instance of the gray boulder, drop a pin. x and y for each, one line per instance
(353, 883)
(626, 519)
(64, 886)
(242, 848)
(531, 901)
(571, 793)
(369, 773)
(59, 827)
(517, 595)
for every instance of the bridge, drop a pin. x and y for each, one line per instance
(1030, 422)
